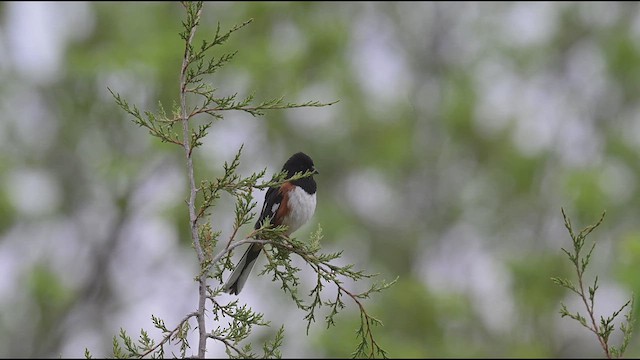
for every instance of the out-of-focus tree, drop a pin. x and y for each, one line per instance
(462, 129)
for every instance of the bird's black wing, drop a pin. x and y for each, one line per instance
(272, 200)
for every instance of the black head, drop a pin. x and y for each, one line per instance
(299, 162)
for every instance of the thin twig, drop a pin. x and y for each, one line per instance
(168, 336)
(254, 109)
(202, 343)
(228, 344)
(590, 311)
(363, 312)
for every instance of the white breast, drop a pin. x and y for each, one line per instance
(301, 208)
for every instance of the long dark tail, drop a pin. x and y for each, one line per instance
(241, 273)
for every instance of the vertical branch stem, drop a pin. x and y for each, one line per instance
(590, 311)
(184, 116)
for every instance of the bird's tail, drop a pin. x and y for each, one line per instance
(239, 276)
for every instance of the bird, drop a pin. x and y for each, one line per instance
(292, 204)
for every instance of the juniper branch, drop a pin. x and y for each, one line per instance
(167, 337)
(326, 272)
(603, 330)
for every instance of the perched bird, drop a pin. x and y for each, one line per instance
(291, 204)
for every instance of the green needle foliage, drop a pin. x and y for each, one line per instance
(605, 328)
(239, 319)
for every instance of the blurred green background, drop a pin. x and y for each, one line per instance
(460, 132)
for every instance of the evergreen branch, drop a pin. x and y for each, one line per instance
(194, 12)
(230, 345)
(160, 324)
(271, 347)
(243, 320)
(627, 330)
(326, 272)
(229, 103)
(605, 328)
(157, 126)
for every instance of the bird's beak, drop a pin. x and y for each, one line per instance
(315, 172)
